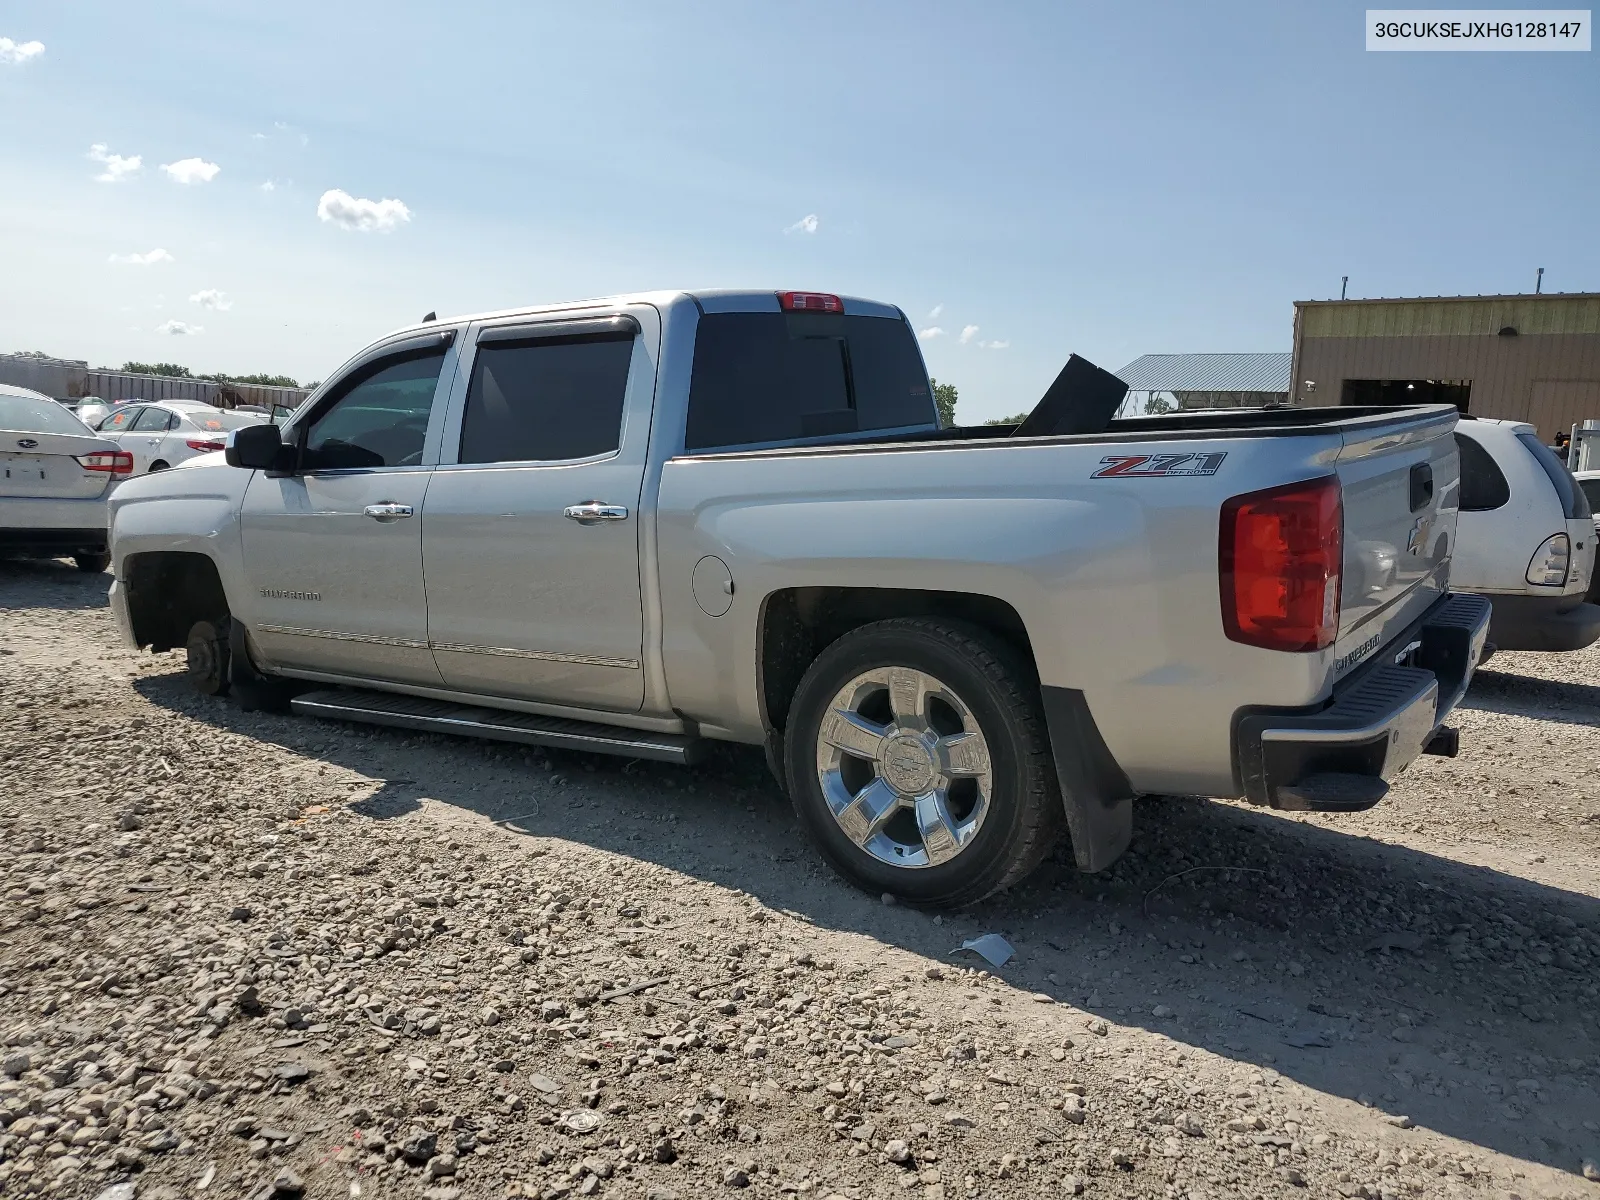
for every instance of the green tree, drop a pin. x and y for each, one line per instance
(944, 399)
(174, 371)
(1013, 419)
(258, 379)
(1157, 405)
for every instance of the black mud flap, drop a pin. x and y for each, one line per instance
(1096, 794)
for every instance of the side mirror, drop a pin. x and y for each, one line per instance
(259, 448)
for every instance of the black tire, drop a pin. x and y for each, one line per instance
(206, 657)
(92, 562)
(253, 688)
(999, 689)
(158, 465)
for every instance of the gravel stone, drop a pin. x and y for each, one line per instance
(676, 986)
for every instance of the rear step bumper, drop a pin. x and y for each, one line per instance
(1341, 757)
(436, 716)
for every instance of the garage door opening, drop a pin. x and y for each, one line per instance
(1367, 392)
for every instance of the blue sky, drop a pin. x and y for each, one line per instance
(1111, 179)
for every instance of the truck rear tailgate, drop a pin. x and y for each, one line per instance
(1400, 490)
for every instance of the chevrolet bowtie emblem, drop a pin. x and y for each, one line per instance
(1418, 541)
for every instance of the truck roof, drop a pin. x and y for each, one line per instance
(708, 300)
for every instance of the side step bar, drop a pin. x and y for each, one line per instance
(437, 716)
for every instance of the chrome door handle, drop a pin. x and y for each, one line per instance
(591, 511)
(387, 511)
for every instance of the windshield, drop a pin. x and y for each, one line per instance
(29, 415)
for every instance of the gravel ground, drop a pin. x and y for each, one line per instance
(260, 956)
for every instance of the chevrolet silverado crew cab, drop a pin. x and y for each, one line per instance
(636, 525)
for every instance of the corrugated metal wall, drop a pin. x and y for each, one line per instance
(1548, 373)
(119, 385)
(52, 376)
(71, 379)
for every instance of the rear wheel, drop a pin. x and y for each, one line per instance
(206, 657)
(918, 761)
(92, 563)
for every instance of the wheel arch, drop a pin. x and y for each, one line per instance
(797, 624)
(168, 591)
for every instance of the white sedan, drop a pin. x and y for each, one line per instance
(55, 475)
(167, 432)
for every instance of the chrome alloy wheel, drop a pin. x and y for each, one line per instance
(904, 767)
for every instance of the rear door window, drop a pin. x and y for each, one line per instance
(770, 378)
(547, 399)
(153, 420)
(1483, 484)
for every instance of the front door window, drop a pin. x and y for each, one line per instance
(381, 420)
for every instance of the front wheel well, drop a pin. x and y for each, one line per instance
(168, 591)
(797, 624)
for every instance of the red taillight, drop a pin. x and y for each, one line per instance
(111, 462)
(809, 302)
(1280, 555)
(205, 446)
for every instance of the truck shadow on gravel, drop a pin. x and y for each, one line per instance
(49, 583)
(1460, 997)
(1530, 696)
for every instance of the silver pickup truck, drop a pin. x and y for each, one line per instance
(635, 525)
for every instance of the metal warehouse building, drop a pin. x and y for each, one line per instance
(1529, 358)
(1210, 380)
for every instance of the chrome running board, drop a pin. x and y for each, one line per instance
(438, 716)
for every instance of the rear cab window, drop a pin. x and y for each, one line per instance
(772, 379)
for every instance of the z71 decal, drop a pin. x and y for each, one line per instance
(1146, 466)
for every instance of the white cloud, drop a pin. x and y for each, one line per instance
(806, 224)
(933, 331)
(19, 52)
(968, 332)
(191, 170)
(158, 255)
(117, 166)
(213, 299)
(994, 345)
(179, 328)
(937, 309)
(363, 216)
(269, 186)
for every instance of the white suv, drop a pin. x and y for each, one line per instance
(1525, 538)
